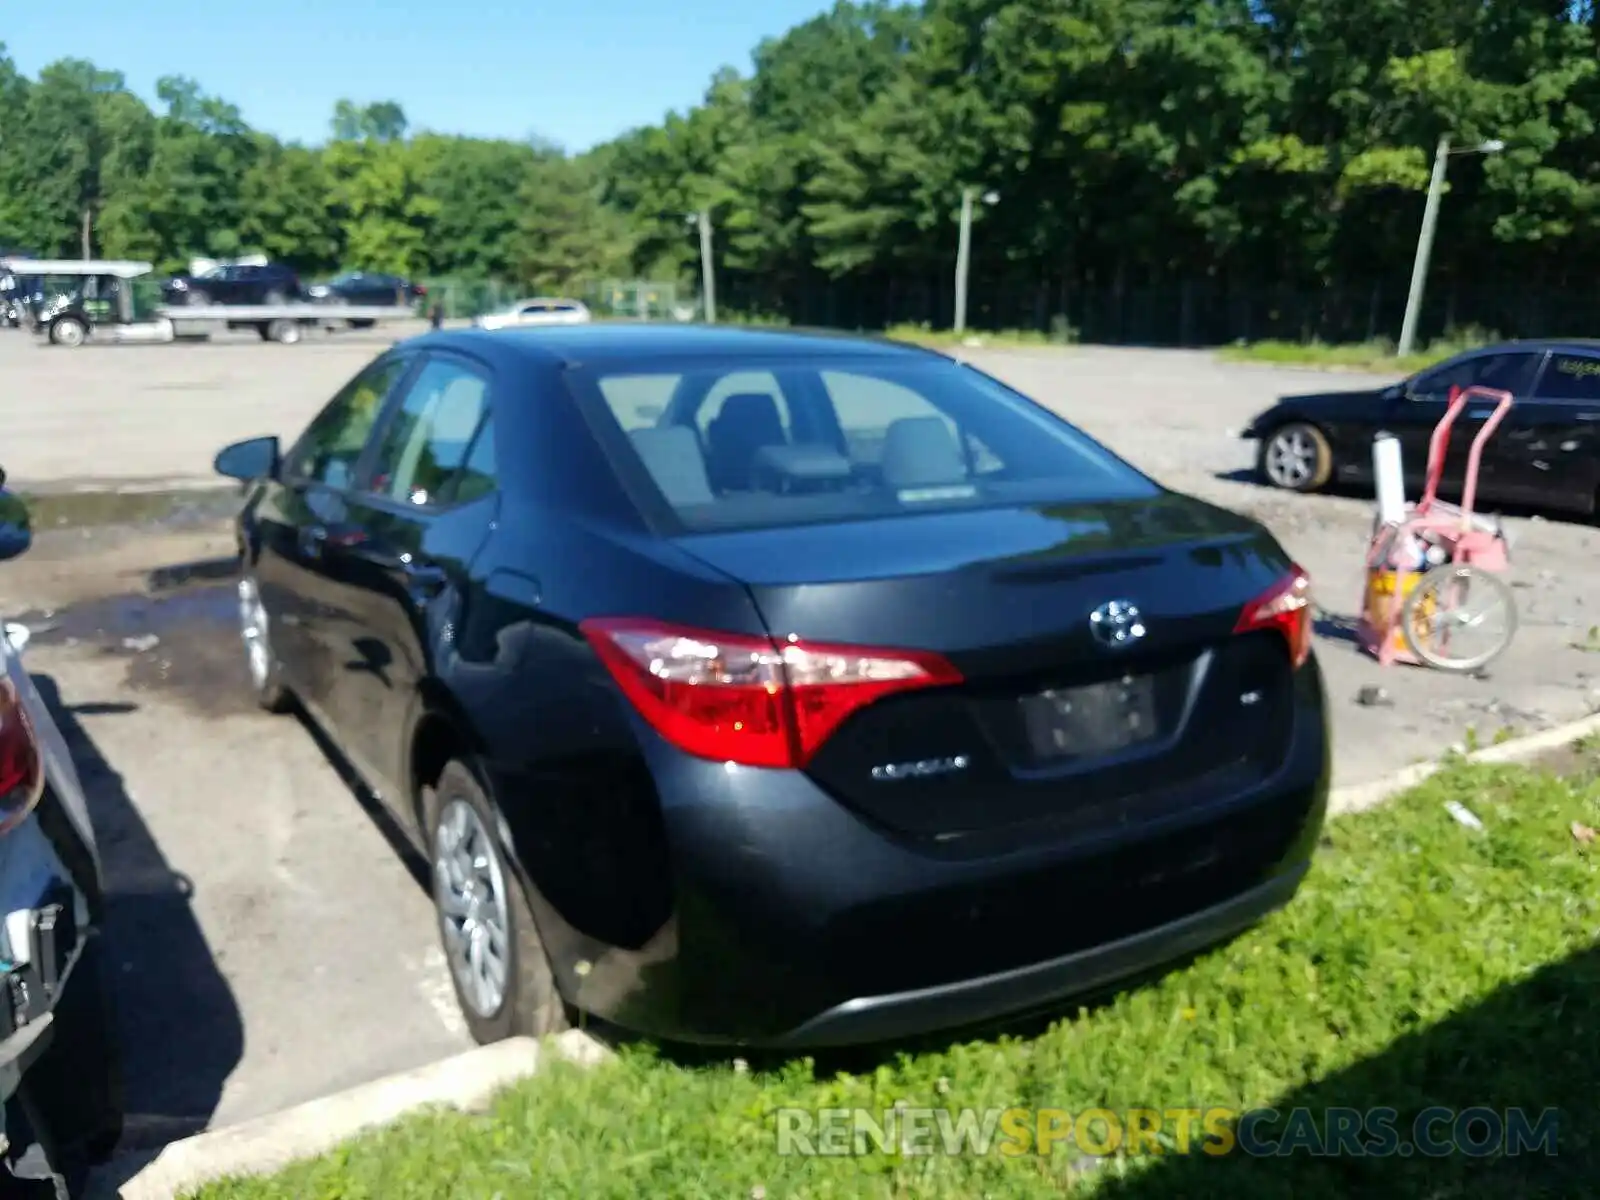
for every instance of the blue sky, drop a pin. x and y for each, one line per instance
(575, 71)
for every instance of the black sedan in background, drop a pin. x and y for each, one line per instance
(780, 689)
(365, 288)
(1546, 452)
(236, 283)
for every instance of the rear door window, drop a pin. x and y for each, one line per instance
(427, 439)
(1509, 372)
(1571, 378)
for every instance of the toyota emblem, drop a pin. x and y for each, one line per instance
(1116, 624)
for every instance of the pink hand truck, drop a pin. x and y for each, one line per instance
(1436, 593)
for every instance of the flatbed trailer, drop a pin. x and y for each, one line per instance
(283, 323)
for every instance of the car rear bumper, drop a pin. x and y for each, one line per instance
(796, 921)
(971, 1001)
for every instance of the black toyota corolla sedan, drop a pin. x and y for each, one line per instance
(780, 689)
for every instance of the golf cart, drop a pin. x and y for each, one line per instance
(79, 299)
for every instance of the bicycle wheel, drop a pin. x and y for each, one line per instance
(1459, 618)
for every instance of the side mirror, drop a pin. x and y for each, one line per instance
(249, 460)
(16, 529)
(1394, 393)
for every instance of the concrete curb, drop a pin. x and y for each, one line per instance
(270, 1143)
(1362, 796)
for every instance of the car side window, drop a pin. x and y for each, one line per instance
(1512, 372)
(476, 478)
(328, 451)
(427, 440)
(1574, 378)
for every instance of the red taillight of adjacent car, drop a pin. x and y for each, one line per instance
(748, 700)
(21, 763)
(1286, 608)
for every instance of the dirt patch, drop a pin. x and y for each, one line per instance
(1579, 761)
(73, 566)
(175, 508)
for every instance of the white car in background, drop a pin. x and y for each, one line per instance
(538, 311)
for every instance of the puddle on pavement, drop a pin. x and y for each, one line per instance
(183, 642)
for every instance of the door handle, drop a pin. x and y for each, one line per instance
(1588, 417)
(312, 540)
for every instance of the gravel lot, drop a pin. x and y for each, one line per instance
(274, 947)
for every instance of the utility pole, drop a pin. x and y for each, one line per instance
(1419, 264)
(708, 281)
(1430, 221)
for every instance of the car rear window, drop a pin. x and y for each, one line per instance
(743, 446)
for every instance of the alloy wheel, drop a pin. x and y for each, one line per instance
(469, 891)
(1291, 458)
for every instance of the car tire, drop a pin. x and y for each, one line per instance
(462, 822)
(255, 632)
(1296, 457)
(68, 331)
(284, 331)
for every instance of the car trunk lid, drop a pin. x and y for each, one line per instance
(1102, 674)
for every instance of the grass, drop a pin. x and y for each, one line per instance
(1423, 963)
(1366, 356)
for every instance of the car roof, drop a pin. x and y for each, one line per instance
(602, 342)
(1536, 345)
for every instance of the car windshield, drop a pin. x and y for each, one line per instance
(740, 447)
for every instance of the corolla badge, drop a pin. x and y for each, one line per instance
(921, 768)
(1116, 624)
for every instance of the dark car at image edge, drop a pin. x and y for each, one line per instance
(1545, 453)
(780, 689)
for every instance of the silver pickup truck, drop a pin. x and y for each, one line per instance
(60, 1077)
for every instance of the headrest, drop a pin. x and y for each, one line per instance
(921, 452)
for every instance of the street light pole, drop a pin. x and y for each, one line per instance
(964, 252)
(1430, 221)
(708, 282)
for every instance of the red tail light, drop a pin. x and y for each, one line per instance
(742, 699)
(1285, 607)
(21, 764)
